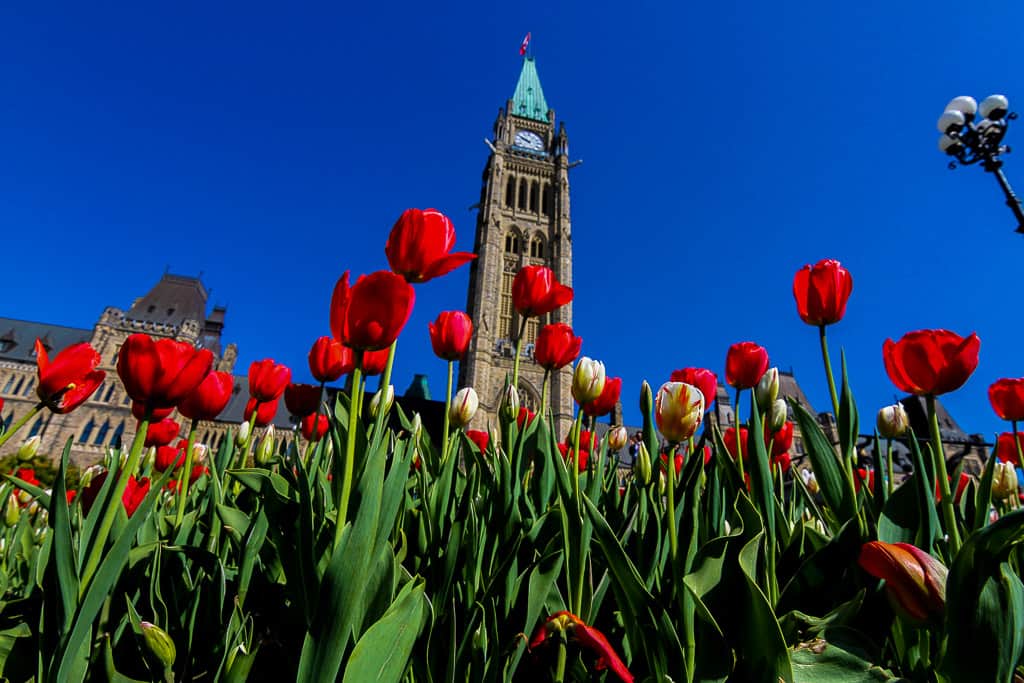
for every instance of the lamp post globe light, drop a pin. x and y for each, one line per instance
(973, 133)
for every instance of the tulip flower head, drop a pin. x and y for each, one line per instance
(588, 380)
(1007, 398)
(387, 396)
(302, 399)
(557, 346)
(536, 291)
(70, 378)
(731, 445)
(767, 389)
(268, 380)
(464, 407)
(931, 362)
(134, 494)
(1004, 481)
(821, 292)
(419, 245)
(329, 359)
(745, 364)
(480, 438)
(261, 414)
(586, 637)
(374, 362)
(703, 379)
(29, 448)
(915, 582)
(892, 421)
(314, 427)
(1009, 449)
(617, 438)
(210, 398)
(605, 403)
(161, 433)
(158, 374)
(450, 335)
(369, 315)
(678, 410)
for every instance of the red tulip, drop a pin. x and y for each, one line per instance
(267, 380)
(160, 373)
(556, 346)
(525, 417)
(782, 461)
(70, 378)
(210, 398)
(745, 364)
(156, 414)
(863, 475)
(134, 494)
(302, 399)
(198, 471)
(27, 475)
(329, 359)
(587, 637)
(70, 495)
(374, 362)
(265, 411)
(781, 440)
(450, 335)
(480, 438)
(314, 427)
(370, 314)
(705, 380)
(1007, 398)
(536, 291)
(605, 403)
(419, 245)
(729, 439)
(821, 292)
(1006, 449)
(930, 362)
(914, 580)
(678, 459)
(170, 457)
(162, 433)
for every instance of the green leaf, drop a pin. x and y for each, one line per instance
(820, 660)
(383, 651)
(835, 487)
(63, 547)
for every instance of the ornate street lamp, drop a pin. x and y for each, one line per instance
(969, 142)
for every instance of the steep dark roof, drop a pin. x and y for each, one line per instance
(172, 301)
(789, 388)
(917, 411)
(17, 338)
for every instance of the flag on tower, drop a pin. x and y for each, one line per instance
(526, 43)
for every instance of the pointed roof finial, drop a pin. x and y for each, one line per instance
(528, 100)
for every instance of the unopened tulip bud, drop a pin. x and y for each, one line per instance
(242, 437)
(416, 427)
(149, 458)
(778, 414)
(892, 421)
(33, 507)
(42, 516)
(510, 403)
(464, 407)
(914, 580)
(90, 473)
(617, 438)
(678, 410)
(199, 452)
(810, 481)
(767, 389)
(587, 380)
(642, 465)
(646, 399)
(12, 511)
(40, 534)
(28, 450)
(388, 398)
(265, 449)
(1004, 481)
(159, 643)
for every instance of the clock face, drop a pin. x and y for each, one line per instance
(527, 139)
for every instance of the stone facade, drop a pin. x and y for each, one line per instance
(523, 219)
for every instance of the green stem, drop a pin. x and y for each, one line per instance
(21, 422)
(447, 410)
(560, 666)
(739, 437)
(350, 452)
(939, 457)
(113, 504)
(577, 604)
(670, 494)
(1016, 441)
(385, 382)
(890, 476)
(519, 348)
(544, 393)
(828, 372)
(185, 475)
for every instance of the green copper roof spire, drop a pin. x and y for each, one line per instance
(528, 100)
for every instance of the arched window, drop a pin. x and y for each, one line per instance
(9, 385)
(98, 394)
(524, 193)
(17, 389)
(511, 243)
(101, 435)
(110, 391)
(9, 419)
(534, 196)
(30, 387)
(36, 428)
(505, 306)
(87, 431)
(115, 440)
(536, 248)
(510, 192)
(545, 205)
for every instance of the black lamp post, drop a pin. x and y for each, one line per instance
(971, 142)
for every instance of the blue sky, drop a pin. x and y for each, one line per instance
(271, 147)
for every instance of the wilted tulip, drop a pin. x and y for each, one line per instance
(159, 643)
(1004, 481)
(617, 438)
(28, 449)
(587, 637)
(767, 389)
(892, 421)
(678, 410)
(587, 380)
(464, 407)
(265, 450)
(388, 397)
(914, 580)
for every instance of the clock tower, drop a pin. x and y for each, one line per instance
(523, 219)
